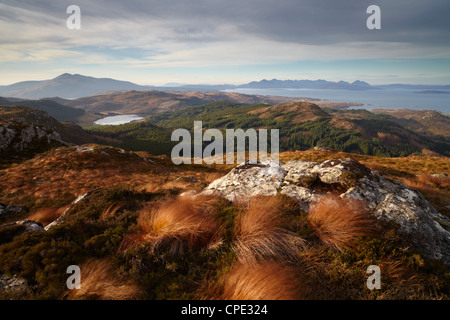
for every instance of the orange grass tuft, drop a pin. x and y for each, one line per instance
(261, 231)
(47, 215)
(265, 281)
(112, 210)
(99, 281)
(338, 222)
(186, 223)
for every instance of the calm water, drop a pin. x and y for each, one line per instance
(116, 120)
(372, 99)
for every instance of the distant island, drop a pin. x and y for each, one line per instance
(433, 92)
(308, 84)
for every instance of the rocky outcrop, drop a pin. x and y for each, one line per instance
(7, 211)
(11, 285)
(24, 226)
(9, 231)
(17, 136)
(306, 181)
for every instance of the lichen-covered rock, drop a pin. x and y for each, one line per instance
(27, 226)
(9, 231)
(306, 181)
(12, 284)
(18, 136)
(7, 211)
(248, 180)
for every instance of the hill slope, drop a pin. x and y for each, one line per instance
(66, 86)
(153, 102)
(194, 247)
(26, 132)
(55, 109)
(425, 121)
(304, 125)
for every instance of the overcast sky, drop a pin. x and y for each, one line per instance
(232, 41)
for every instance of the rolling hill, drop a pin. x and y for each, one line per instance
(302, 125)
(66, 86)
(56, 110)
(24, 132)
(152, 102)
(425, 121)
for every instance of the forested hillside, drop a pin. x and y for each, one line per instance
(302, 126)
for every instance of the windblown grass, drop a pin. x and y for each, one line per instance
(187, 223)
(262, 231)
(47, 215)
(264, 281)
(338, 222)
(99, 281)
(111, 210)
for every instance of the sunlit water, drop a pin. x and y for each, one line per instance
(116, 120)
(372, 99)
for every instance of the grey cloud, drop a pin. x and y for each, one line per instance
(300, 21)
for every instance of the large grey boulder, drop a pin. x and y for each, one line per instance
(306, 181)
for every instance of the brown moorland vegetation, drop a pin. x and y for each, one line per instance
(139, 208)
(101, 282)
(264, 281)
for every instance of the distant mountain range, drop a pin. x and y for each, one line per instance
(72, 86)
(308, 84)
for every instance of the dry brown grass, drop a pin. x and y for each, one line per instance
(99, 281)
(186, 223)
(111, 210)
(47, 215)
(264, 281)
(434, 188)
(261, 231)
(327, 277)
(425, 180)
(338, 222)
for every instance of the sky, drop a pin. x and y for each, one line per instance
(155, 42)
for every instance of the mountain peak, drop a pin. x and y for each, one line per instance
(64, 75)
(68, 86)
(70, 76)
